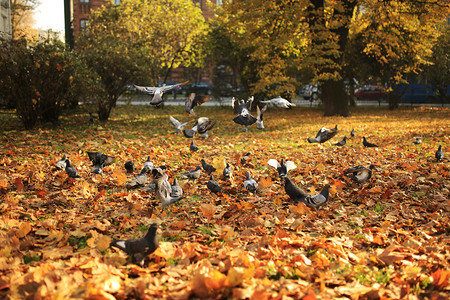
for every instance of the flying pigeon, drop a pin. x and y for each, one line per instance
(164, 189)
(243, 109)
(359, 174)
(99, 160)
(259, 117)
(250, 184)
(139, 249)
(177, 191)
(207, 167)
(342, 142)
(194, 100)
(353, 133)
(148, 165)
(279, 101)
(213, 185)
(318, 200)
(239, 105)
(296, 194)
(139, 180)
(61, 164)
(158, 91)
(418, 140)
(70, 170)
(227, 171)
(129, 166)
(245, 158)
(439, 153)
(193, 147)
(202, 125)
(367, 144)
(283, 167)
(323, 135)
(192, 174)
(177, 124)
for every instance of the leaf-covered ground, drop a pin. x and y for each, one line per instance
(388, 238)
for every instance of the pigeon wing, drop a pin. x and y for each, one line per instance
(274, 163)
(149, 90)
(290, 165)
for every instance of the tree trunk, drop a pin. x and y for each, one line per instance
(335, 99)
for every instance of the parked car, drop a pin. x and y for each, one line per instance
(310, 92)
(202, 88)
(371, 92)
(177, 90)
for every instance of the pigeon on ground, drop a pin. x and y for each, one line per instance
(139, 180)
(99, 160)
(250, 184)
(177, 124)
(359, 174)
(295, 193)
(193, 147)
(318, 200)
(279, 101)
(259, 117)
(342, 142)
(367, 144)
(148, 165)
(283, 167)
(207, 167)
(129, 166)
(353, 133)
(192, 174)
(201, 126)
(243, 108)
(227, 171)
(213, 185)
(61, 164)
(439, 153)
(177, 191)
(245, 158)
(158, 91)
(164, 189)
(139, 249)
(70, 170)
(194, 100)
(323, 135)
(151, 187)
(418, 140)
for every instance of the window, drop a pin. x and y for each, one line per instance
(83, 24)
(219, 2)
(116, 2)
(84, 1)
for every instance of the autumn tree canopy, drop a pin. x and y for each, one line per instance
(22, 18)
(290, 39)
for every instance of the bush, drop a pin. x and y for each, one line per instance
(38, 80)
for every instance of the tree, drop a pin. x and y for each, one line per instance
(135, 43)
(22, 18)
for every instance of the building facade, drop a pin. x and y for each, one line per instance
(5, 19)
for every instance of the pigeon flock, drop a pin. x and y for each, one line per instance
(168, 194)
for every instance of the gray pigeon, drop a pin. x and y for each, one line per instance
(359, 174)
(213, 185)
(194, 100)
(71, 171)
(201, 126)
(245, 158)
(418, 140)
(243, 108)
(157, 91)
(227, 171)
(148, 165)
(368, 144)
(207, 167)
(342, 142)
(61, 164)
(164, 189)
(99, 161)
(177, 124)
(353, 133)
(323, 135)
(250, 184)
(139, 249)
(139, 180)
(177, 191)
(259, 117)
(439, 153)
(296, 194)
(318, 200)
(193, 147)
(193, 174)
(283, 168)
(279, 101)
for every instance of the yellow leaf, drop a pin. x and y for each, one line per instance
(215, 280)
(24, 229)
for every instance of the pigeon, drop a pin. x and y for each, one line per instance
(418, 140)
(367, 144)
(71, 171)
(158, 91)
(213, 185)
(359, 174)
(129, 166)
(207, 167)
(91, 117)
(227, 171)
(201, 126)
(148, 165)
(139, 249)
(99, 160)
(177, 191)
(341, 143)
(193, 174)
(164, 189)
(439, 153)
(194, 100)
(250, 184)
(193, 147)
(259, 117)
(61, 164)
(323, 135)
(296, 194)
(318, 200)
(151, 187)
(245, 158)
(353, 133)
(177, 124)
(282, 168)
(204, 135)
(243, 112)
(139, 180)
(244, 129)
(279, 101)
